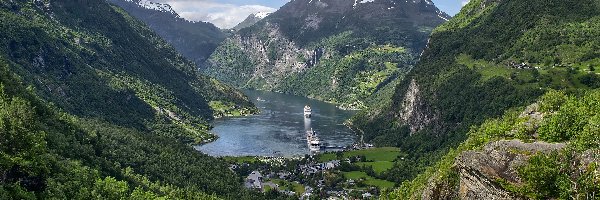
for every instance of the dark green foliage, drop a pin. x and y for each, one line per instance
(48, 154)
(239, 66)
(590, 80)
(556, 176)
(531, 31)
(350, 80)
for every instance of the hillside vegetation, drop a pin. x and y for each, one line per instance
(564, 174)
(111, 68)
(491, 57)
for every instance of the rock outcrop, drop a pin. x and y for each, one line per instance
(479, 171)
(272, 55)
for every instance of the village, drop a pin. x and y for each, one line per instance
(306, 181)
(353, 173)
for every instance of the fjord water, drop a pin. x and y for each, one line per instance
(279, 129)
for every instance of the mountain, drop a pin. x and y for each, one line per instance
(251, 20)
(334, 50)
(94, 105)
(494, 56)
(194, 40)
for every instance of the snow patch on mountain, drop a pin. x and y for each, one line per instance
(262, 15)
(162, 7)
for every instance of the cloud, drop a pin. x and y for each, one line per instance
(465, 2)
(223, 15)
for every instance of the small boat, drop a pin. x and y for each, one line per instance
(307, 111)
(259, 99)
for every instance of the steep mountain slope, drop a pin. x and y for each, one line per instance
(492, 56)
(250, 20)
(108, 111)
(548, 150)
(47, 154)
(195, 40)
(334, 50)
(111, 67)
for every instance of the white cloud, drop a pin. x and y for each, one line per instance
(223, 15)
(465, 2)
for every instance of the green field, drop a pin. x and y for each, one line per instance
(487, 69)
(357, 175)
(379, 166)
(388, 154)
(296, 187)
(540, 76)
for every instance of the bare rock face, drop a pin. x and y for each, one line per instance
(439, 190)
(276, 57)
(414, 112)
(479, 171)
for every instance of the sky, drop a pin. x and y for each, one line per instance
(228, 13)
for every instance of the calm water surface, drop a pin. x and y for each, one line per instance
(279, 130)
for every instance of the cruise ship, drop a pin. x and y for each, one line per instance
(307, 111)
(314, 143)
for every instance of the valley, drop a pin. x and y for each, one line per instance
(319, 99)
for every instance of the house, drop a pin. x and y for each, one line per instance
(283, 175)
(331, 164)
(254, 180)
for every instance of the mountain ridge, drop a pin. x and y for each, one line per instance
(195, 40)
(251, 20)
(277, 55)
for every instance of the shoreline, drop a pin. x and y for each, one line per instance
(352, 132)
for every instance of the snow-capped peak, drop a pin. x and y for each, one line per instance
(261, 15)
(154, 6)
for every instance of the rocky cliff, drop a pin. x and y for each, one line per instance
(479, 171)
(548, 151)
(493, 172)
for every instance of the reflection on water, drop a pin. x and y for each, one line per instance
(278, 130)
(307, 124)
